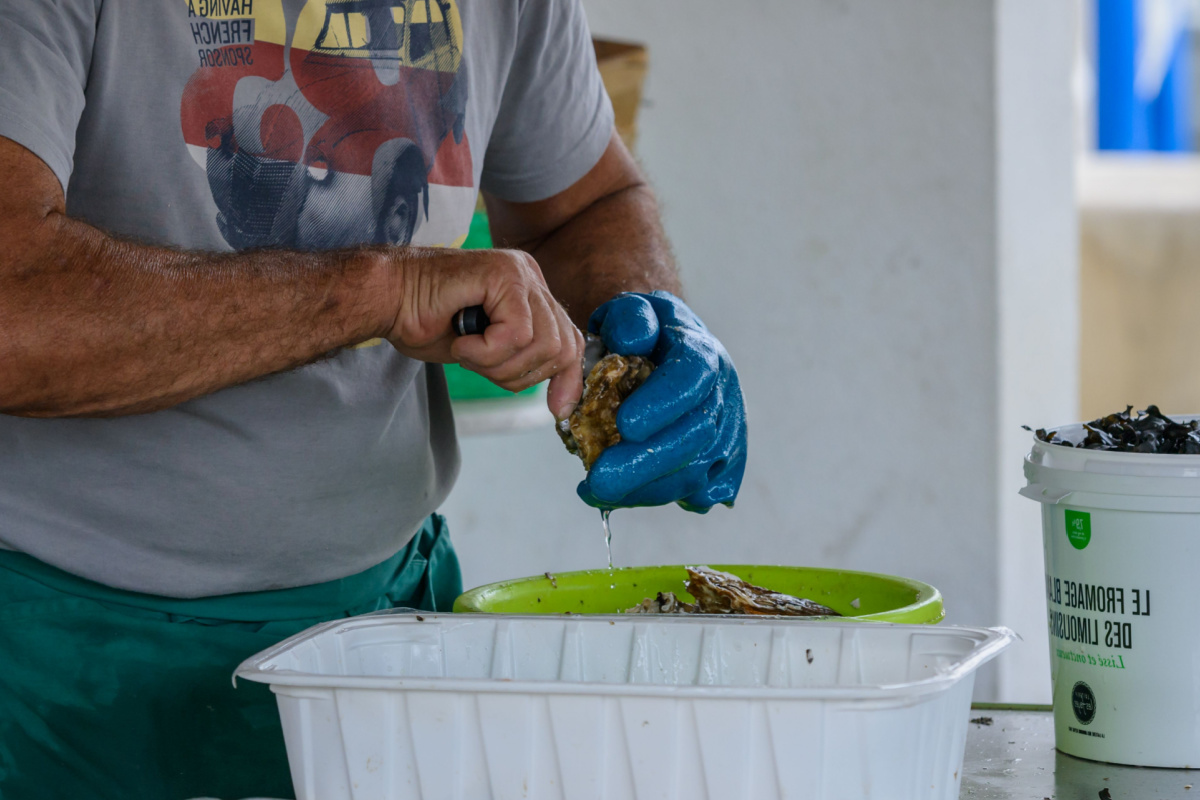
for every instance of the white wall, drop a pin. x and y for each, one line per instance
(830, 173)
(1037, 292)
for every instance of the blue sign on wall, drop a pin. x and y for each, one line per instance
(1143, 75)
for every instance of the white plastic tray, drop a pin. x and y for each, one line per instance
(472, 707)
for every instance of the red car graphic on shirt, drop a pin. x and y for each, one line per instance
(333, 145)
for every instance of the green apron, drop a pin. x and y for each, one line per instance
(106, 693)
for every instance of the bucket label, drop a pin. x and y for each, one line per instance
(1079, 528)
(1094, 614)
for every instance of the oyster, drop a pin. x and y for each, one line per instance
(592, 426)
(721, 593)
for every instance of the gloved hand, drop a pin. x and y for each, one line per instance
(683, 432)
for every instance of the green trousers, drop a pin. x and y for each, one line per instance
(114, 695)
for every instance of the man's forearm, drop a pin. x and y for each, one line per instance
(94, 326)
(615, 245)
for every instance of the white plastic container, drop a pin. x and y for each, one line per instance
(472, 707)
(1122, 542)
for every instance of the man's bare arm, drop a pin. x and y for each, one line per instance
(94, 326)
(599, 237)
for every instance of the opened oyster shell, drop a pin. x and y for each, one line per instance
(719, 592)
(592, 426)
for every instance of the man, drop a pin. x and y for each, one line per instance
(221, 294)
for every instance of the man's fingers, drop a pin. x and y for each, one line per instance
(566, 387)
(724, 478)
(523, 380)
(697, 488)
(681, 383)
(685, 482)
(543, 347)
(627, 324)
(554, 351)
(511, 332)
(503, 363)
(627, 466)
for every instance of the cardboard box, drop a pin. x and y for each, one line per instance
(623, 68)
(1139, 246)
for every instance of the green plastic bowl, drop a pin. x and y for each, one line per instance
(466, 385)
(882, 598)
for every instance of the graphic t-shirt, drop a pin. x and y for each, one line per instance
(302, 124)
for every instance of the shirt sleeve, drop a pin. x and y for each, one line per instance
(45, 50)
(555, 118)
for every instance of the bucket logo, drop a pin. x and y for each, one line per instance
(325, 123)
(1083, 703)
(1079, 528)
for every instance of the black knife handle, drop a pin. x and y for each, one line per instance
(471, 321)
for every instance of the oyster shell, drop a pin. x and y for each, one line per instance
(719, 592)
(592, 426)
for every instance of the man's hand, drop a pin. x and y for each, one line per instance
(683, 431)
(530, 337)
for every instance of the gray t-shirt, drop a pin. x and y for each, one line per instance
(230, 124)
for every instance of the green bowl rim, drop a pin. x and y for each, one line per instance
(928, 597)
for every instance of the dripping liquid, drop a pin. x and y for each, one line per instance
(608, 541)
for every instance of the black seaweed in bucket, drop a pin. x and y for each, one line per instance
(1150, 431)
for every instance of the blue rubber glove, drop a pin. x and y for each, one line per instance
(683, 432)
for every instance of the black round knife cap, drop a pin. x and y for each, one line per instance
(471, 321)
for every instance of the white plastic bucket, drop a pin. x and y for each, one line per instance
(1121, 533)
(470, 706)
